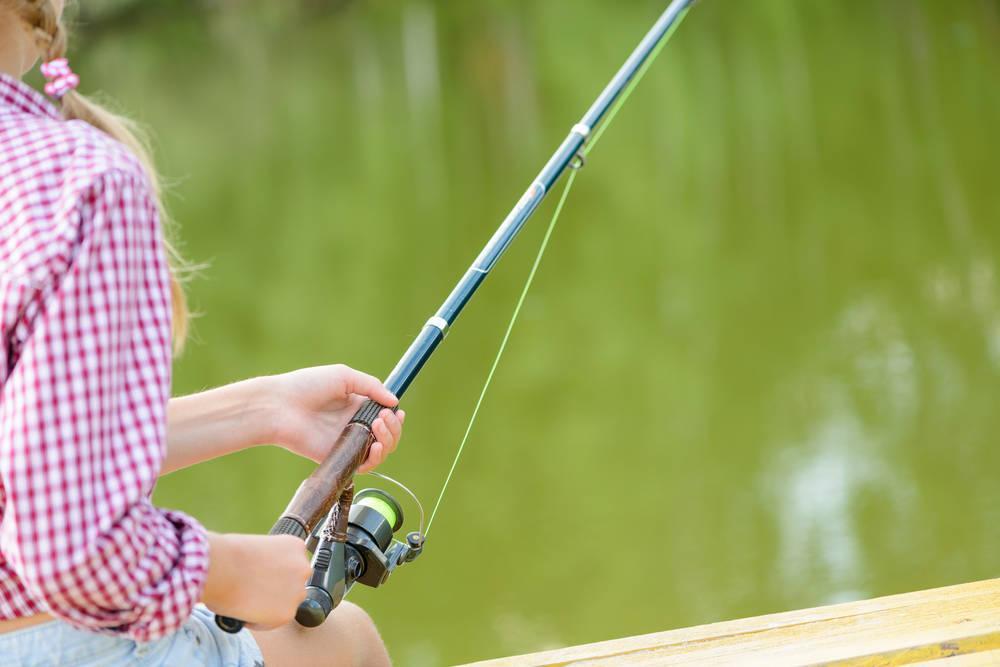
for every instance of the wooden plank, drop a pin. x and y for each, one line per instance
(986, 659)
(902, 629)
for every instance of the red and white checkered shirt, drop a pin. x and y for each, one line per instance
(85, 357)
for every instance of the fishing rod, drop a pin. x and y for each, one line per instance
(354, 543)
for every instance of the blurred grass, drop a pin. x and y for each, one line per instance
(758, 369)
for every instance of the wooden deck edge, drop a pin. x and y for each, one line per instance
(906, 629)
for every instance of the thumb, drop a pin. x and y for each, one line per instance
(356, 382)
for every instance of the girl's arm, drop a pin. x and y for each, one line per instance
(214, 423)
(303, 411)
(82, 419)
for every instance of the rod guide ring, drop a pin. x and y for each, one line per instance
(439, 323)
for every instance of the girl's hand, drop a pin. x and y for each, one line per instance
(259, 579)
(312, 406)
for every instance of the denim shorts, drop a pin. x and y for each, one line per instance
(198, 642)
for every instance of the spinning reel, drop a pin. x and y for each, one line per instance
(355, 545)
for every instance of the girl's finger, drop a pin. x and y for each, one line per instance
(377, 454)
(375, 457)
(380, 431)
(395, 428)
(356, 382)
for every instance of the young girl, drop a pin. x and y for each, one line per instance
(90, 572)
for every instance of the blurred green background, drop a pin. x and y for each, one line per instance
(759, 367)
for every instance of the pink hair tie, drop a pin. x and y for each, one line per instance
(60, 77)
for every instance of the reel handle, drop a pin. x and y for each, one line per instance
(317, 494)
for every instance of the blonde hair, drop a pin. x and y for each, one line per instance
(51, 37)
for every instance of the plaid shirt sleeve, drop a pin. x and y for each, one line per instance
(83, 432)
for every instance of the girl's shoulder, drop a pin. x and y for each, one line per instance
(75, 152)
(50, 172)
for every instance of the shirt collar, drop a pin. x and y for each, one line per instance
(18, 95)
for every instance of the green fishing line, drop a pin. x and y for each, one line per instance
(538, 259)
(503, 343)
(381, 506)
(632, 84)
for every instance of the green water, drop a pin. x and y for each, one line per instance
(759, 367)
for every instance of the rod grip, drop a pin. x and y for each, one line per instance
(286, 525)
(317, 494)
(368, 413)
